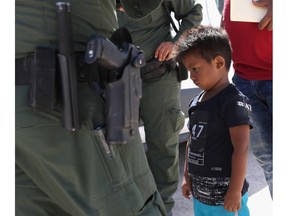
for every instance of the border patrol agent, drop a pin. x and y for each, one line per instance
(160, 103)
(62, 172)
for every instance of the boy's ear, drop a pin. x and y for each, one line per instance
(219, 61)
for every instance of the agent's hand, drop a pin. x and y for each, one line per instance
(186, 187)
(266, 21)
(232, 201)
(164, 51)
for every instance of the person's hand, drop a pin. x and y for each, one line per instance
(232, 201)
(164, 51)
(266, 21)
(186, 187)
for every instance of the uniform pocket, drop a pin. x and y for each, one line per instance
(177, 118)
(113, 161)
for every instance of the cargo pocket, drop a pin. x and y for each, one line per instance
(153, 206)
(113, 161)
(177, 119)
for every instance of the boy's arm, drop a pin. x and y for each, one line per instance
(240, 136)
(186, 182)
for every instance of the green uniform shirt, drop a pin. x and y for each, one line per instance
(36, 23)
(149, 30)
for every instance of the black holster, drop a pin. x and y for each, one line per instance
(123, 90)
(122, 106)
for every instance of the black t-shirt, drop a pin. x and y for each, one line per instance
(210, 151)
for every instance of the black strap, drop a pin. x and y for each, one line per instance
(168, 12)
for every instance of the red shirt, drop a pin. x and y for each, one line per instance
(251, 48)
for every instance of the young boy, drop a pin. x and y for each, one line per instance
(219, 124)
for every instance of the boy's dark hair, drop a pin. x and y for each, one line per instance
(206, 41)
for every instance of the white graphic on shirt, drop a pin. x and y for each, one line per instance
(193, 131)
(242, 104)
(196, 158)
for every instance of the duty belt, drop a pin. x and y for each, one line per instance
(24, 67)
(41, 71)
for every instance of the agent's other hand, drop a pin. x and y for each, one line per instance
(266, 21)
(164, 51)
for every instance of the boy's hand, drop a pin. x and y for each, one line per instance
(186, 187)
(232, 201)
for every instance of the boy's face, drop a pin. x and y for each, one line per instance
(205, 75)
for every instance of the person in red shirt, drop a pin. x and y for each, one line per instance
(253, 74)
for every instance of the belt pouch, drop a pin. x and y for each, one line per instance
(152, 70)
(181, 71)
(42, 89)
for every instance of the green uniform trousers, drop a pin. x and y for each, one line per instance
(61, 173)
(163, 120)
